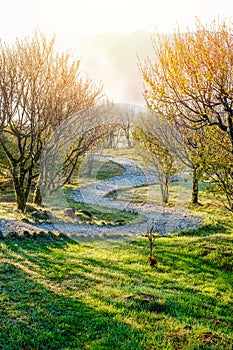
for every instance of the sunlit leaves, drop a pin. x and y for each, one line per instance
(193, 71)
(190, 83)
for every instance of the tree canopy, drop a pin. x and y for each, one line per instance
(193, 75)
(39, 89)
(190, 82)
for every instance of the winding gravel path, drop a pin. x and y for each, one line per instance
(166, 220)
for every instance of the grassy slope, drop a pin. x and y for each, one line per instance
(59, 294)
(100, 170)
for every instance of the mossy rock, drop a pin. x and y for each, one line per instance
(26, 234)
(38, 215)
(70, 212)
(13, 235)
(26, 220)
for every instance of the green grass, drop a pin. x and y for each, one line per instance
(109, 169)
(179, 194)
(89, 214)
(101, 294)
(98, 215)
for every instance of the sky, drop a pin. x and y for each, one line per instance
(71, 20)
(74, 18)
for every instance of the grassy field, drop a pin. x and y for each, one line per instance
(179, 194)
(102, 294)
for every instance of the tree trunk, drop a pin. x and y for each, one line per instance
(22, 185)
(128, 140)
(37, 199)
(90, 164)
(110, 139)
(195, 186)
(19, 195)
(164, 186)
(21, 203)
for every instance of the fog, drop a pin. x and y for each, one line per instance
(112, 59)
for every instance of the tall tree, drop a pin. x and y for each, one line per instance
(191, 81)
(71, 140)
(39, 89)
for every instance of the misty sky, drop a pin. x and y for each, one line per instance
(72, 20)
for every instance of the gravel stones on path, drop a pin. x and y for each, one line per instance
(165, 219)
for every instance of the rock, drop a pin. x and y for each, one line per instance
(26, 220)
(34, 235)
(87, 213)
(50, 234)
(70, 213)
(13, 235)
(47, 214)
(35, 214)
(26, 234)
(61, 235)
(40, 215)
(42, 234)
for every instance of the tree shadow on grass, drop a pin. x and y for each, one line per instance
(33, 316)
(43, 281)
(205, 230)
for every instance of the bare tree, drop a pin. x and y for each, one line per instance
(124, 117)
(71, 140)
(39, 89)
(152, 134)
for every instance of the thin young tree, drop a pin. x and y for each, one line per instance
(150, 134)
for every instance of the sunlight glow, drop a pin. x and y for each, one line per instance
(71, 19)
(81, 25)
